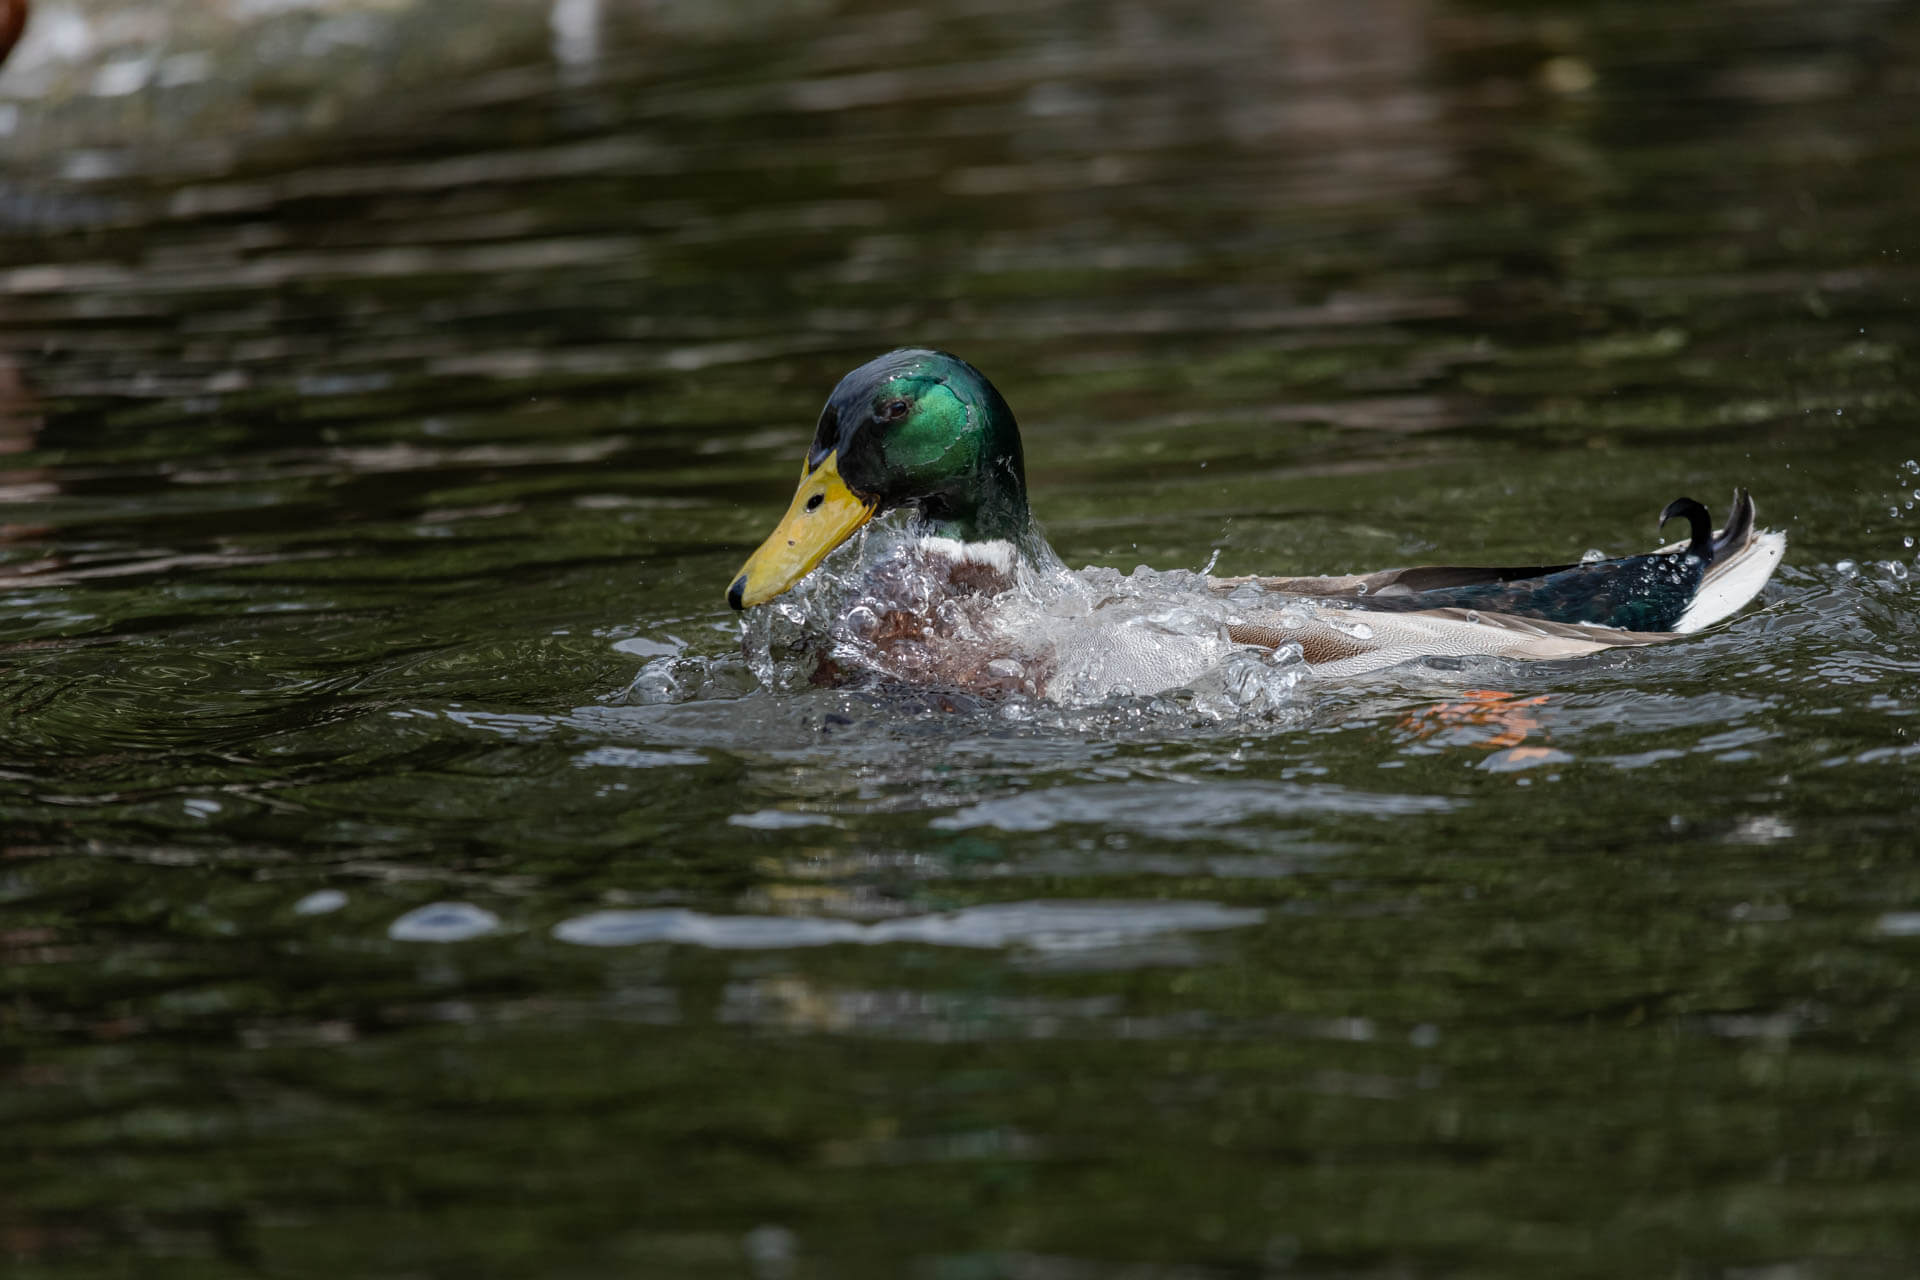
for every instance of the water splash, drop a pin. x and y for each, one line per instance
(1904, 498)
(687, 677)
(1023, 628)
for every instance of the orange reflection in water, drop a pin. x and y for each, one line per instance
(1509, 719)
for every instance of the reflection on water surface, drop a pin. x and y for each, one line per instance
(373, 471)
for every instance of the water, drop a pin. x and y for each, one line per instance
(406, 872)
(884, 609)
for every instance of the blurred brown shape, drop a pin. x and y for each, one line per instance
(13, 18)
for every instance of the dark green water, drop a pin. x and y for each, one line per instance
(349, 486)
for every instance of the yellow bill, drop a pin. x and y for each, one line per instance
(824, 514)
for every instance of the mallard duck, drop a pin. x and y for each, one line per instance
(925, 432)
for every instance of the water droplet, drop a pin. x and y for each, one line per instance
(1592, 555)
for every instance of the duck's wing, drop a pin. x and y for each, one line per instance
(1547, 611)
(1396, 582)
(1345, 642)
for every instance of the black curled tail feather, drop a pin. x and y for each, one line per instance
(1739, 527)
(1700, 520)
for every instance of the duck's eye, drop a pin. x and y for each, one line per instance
(893, 410)
(816, 500)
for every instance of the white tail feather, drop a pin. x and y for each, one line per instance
(1732, 582)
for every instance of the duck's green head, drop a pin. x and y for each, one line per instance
(917, 429)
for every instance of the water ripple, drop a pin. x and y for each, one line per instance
(443, 922)
(1048, 926)
(1178, 810)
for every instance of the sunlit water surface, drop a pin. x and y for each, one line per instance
(413, 868)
